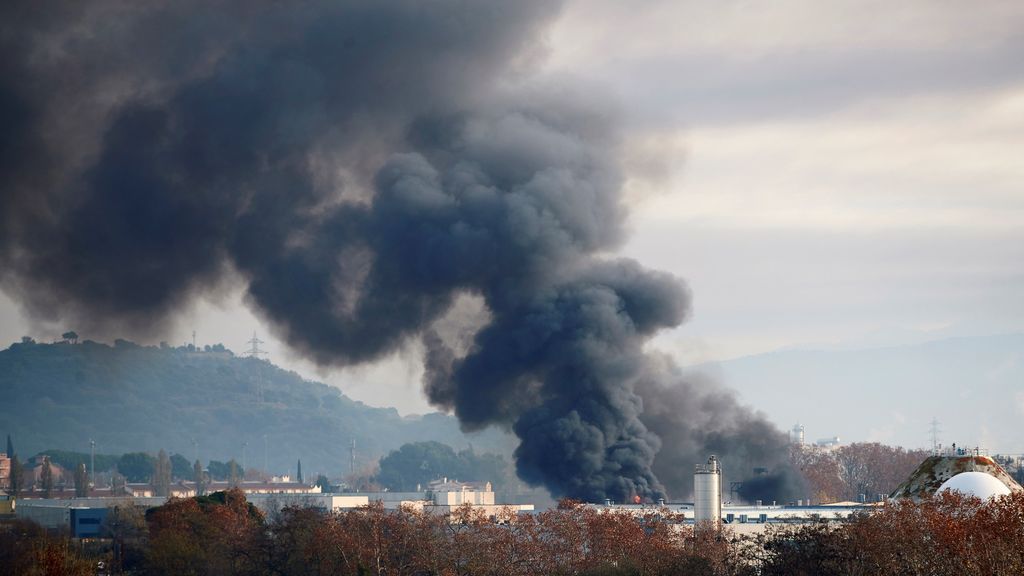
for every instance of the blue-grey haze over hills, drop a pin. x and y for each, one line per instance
(973, 386)
(130, 398)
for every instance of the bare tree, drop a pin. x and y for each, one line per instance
(47, 478)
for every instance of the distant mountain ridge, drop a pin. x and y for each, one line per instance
(973, 386)
(128, 397)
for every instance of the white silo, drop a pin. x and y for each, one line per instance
(707, 492)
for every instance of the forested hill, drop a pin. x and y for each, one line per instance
(133, 398)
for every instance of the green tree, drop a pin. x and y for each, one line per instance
(70, 336)
(136, 466)
(299, 473)
(418, 463)
(181, 469)
(323, 483)
(69, 460)
(81, 481)
(219, 470)
(46, 478)
(10, 447)
(197, 477)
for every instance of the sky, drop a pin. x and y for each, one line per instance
(822, 175)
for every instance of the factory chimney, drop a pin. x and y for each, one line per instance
(707, 493)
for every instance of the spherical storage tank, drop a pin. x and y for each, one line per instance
(977, 484)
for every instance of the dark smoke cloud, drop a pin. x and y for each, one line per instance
(694, 417)
(154, 144)
(359, 166)
(782, 485)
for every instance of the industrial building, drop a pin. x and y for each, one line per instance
(708, 509)
(84, 516)
(967, 471)
(444, 497)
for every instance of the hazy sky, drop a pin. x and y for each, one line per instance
(837, 174)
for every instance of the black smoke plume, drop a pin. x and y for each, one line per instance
(696, 417)
(358, 166)
(784, 485)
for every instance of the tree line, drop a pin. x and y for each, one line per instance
(847, 472)
(160, 471)
(223, 534)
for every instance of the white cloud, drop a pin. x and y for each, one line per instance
(943, 161)
(654, 28)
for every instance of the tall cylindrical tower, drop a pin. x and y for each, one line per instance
(707, 492)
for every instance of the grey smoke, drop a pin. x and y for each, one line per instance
(359, 166)
(695, 417)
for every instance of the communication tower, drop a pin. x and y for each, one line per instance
(936, 447)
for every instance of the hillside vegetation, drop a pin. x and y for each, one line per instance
(130, 398)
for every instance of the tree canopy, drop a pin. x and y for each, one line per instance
(419, 463)
(181, 468)
(136, 466)
(68, 460)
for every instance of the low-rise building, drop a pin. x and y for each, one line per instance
(445, 496)
(188, 489)
(5, 470)
(59, 513)
(270, 503)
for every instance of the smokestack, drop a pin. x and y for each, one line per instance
(707, 493)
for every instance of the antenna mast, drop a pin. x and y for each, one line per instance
(935, 436)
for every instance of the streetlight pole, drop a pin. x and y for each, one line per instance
(92, 463)
(265, 471)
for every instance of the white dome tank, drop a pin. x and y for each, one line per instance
(978, 484)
